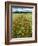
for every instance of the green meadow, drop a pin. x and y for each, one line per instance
(21, 25)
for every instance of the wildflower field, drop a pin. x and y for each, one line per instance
(21, 25)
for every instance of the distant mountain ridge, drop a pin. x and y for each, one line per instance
(22, 12)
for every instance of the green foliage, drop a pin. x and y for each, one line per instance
(21, 25)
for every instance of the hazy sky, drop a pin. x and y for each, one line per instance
(22, 9)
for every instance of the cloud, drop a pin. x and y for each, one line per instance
(22, 9)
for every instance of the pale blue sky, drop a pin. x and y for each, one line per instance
(22, 9)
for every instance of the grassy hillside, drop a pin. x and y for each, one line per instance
(21, 25)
